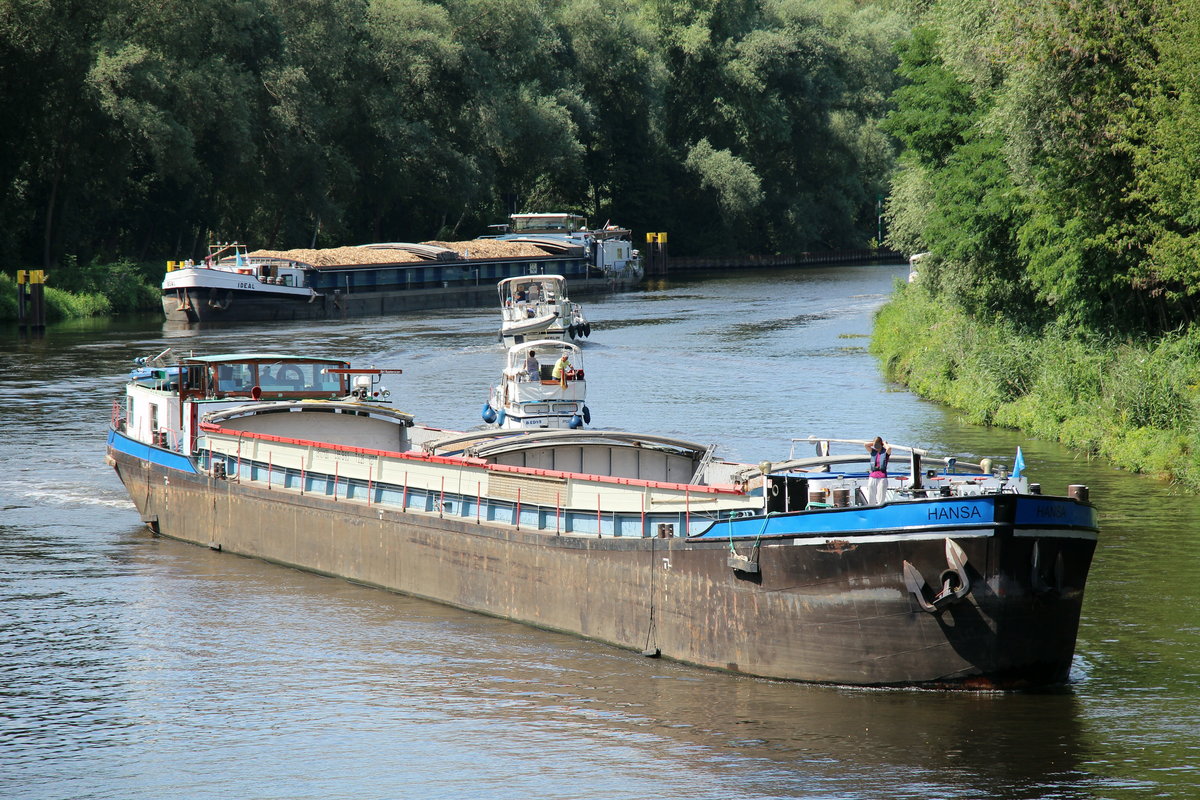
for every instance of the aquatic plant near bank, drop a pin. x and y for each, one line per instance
(1135, 403)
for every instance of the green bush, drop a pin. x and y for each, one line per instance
(74, 292)
(8, 297)
(62, 305)
(1134, 402)
(127, 289)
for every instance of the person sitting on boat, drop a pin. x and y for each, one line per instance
(533, 370)
(562, 367)
(519, 296)
(877, 478)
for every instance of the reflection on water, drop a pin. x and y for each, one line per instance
(132, 667)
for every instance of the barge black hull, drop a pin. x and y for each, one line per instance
(836, 613)
(226, 305)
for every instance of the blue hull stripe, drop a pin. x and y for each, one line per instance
(155, 455)
(949, 513)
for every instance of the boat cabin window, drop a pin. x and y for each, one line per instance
(191, 377)
(234, 378)
(547, 223)
(280, 378)
(286, 376)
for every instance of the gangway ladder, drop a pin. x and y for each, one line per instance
(704, 461)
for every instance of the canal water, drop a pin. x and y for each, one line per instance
(137, 668)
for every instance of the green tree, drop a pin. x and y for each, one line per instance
(618, 80)
(1166, 151)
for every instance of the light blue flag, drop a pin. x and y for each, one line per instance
(237, 258)
(1018, 463)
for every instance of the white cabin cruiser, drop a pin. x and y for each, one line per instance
(537, 307)
(542, 386)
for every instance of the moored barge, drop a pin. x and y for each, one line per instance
(234, 284)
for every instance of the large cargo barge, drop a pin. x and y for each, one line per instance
(234, 284)
(958, 578)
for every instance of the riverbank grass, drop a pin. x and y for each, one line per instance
(96, 290)
(1134, 403)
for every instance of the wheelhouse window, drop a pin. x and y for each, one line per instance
(277, 378)
(234, 378)
(280, 377)
(290, 376)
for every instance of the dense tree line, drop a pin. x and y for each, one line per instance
(1052, 161)
(1051, 168)
(142, 129)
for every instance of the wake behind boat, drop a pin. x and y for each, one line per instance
(962, 577)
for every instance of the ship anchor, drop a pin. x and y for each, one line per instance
(955, 583)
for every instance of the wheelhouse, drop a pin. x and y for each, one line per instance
(164, 401)
(265, 376)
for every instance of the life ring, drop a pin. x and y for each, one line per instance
(774, 489)
(286, 373)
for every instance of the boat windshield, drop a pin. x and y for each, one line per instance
(292, 377)
(547, 223)
(278, 376)
(533, 289)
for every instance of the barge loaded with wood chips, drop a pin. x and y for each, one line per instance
(234, 284)
(961, 577)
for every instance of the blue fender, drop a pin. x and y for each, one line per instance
(488, 413)
(576, 421)
(500, 415)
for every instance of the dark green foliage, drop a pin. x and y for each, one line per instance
(1049, 160)
(1052, 168)
(145, 130)
(74, 290)
(934, 112)
(8, 297)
